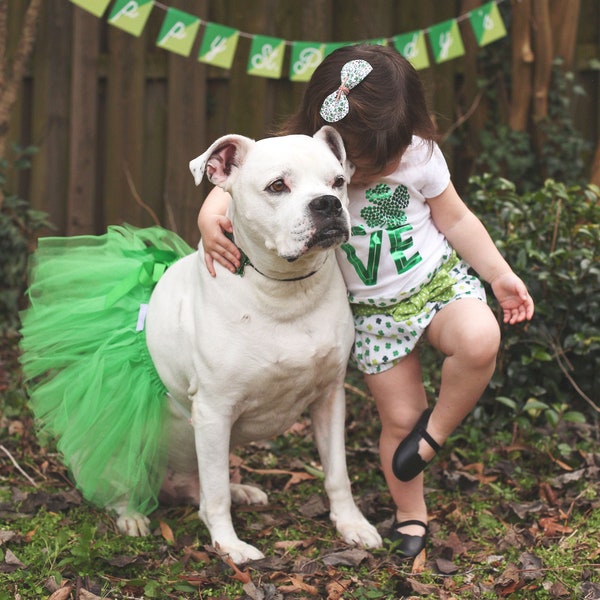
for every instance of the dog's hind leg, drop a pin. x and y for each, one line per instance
(247, 494)
(131, 523)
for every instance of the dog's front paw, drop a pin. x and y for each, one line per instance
(239, 552)
(247, 494)
(361, 534)
(356, 530)
(134, 524)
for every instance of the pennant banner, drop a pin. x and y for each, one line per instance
(178, 32)
(412, 46)
(96, 7)
(306, 57)
(131, 15)
(266, 57)
(487, 24)
(218, 43)
(446, 42)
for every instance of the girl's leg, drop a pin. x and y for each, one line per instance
(467, 332)
(400, 398)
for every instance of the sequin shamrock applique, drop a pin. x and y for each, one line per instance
(386, 209)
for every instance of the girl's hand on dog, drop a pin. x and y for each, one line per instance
(217, 246)
(213, 223)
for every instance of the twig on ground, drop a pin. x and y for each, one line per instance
(17, 466)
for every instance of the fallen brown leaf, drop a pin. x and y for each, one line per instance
(167, 532)
(62, 593)
(551, 527)
(422, 588)
(238, 575)
(350, 558)
(297, 584)
(445, 567)
(337, 589)
(418, 565)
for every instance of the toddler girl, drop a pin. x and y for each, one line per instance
(406, 265)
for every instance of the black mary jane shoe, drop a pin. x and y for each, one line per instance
(404, 545)
(407, 463)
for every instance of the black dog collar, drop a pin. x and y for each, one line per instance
(245, 262)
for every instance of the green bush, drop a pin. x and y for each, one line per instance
(551, 238)
(18, 226)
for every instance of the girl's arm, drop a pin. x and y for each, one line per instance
(468, 236)
(213, 222)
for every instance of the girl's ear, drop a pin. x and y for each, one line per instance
(221, 159)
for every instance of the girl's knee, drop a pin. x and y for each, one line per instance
(480, 343)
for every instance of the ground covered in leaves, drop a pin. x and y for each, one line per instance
(514, 513)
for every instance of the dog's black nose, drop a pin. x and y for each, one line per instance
(329, 206)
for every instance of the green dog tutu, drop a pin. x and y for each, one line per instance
(91, 380)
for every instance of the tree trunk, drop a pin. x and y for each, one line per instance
(565, 20)
(12, 76)
(595, 170)
(522, 66)
(542, 47)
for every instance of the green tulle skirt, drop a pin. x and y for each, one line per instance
(91, 381)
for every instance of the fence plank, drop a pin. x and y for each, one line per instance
(186, 139)
(81, 200)
(51, 102)
(124, 125)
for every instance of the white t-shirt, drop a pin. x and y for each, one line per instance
(394, 245)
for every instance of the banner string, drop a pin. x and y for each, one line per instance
(459, 19)
(218, 44)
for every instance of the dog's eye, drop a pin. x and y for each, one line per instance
(278, 186)
(339, 182)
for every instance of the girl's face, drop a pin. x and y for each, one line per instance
(366, 174)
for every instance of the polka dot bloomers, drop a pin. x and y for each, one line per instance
(386, 331)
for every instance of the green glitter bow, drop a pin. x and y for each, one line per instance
(335, 107)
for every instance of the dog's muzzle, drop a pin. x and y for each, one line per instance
(331, 226)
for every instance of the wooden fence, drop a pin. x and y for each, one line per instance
(117, 119)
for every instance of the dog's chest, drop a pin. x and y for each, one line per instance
(282, 370)
(259, 363)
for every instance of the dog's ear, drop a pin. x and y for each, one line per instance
(224, 155)
(336, 144)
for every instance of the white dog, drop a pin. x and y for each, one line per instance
(246, 355)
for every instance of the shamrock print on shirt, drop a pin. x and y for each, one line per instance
(386, 209)
(384, 214)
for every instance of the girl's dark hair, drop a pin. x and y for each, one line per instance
(386, 109)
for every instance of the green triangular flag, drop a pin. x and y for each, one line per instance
(306, 57)
(178, 32)
(266, 57)
(131, 15)
(412, 46)
(446, 41)
(331, 46)
(96, 7)
(377, 42)
(487, 23)
(218, 45)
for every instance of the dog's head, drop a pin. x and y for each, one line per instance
(289, 192)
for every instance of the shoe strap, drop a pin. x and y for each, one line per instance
(411, 522)
(430, 440)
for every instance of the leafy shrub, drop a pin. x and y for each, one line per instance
(551, 238)
(18, 224)
(551, 148)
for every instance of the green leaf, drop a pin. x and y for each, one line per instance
(574, 416)
(507, 402)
